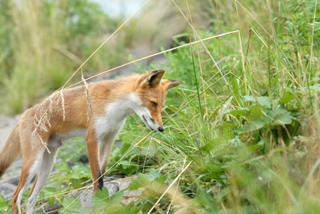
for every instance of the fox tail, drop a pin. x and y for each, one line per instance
(11, 150)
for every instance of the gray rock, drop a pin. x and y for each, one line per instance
(7, 190)
(111, 178)
(118, 143)
(13, 180)
(129, 195)
(113, 183)
(49, 209)
(10, 180)
(112, 188)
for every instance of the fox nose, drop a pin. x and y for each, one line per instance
(160, 129)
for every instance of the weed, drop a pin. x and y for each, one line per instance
(244, 142)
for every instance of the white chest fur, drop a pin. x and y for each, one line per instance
(115, 115)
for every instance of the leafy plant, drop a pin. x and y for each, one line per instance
(241, 134)
(4, 206)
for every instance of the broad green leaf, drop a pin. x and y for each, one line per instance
(70, 204)
(57, 175)
(255, 111)
(141, 181)
(55, 185)
(286, 99)
(315, 87)
(248, 99)
(213, 167)
(280, 111)
(154, 174)
(50, 189)
(85, 210)
(3, 206)
(161, 179)
(79, 169)
(51, 201)
(64, 167)
(264, 101)
(116, 198)
(251, 126)
(240, 112)
(100, 199)
(2, 199)
(149, 150)
(99, 207)
(275, 102)
(124, 164)
(207, 200)
(75, 183)
(226, 124)
(261, 142)
(212, 144)
(87, 175)
(101, 196)
(115, 209)
(74, 176)
(235, 142)
(132, 208)
(285, 118)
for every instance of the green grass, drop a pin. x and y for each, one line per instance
(43, 43)
(246, 144)
(253, 146)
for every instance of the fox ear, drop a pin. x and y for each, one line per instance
(154, 78)
(169, 84)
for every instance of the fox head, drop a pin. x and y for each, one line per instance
(151, 90)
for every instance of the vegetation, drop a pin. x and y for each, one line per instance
(44, 42)
(241, 133)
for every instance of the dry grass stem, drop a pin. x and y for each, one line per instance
(156, 54)
(68, 54)
(200, 65)
(173, 182)
(243, 66)
(44, 111)
(201, 40)
(176, 190)
(61, 98)
(88, 99)
(104, 43)
(314, 18)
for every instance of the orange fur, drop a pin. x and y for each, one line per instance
(67, 112)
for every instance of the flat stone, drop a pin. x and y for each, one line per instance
(112, 188)
(112, 177)
(118, 143)
(47, 208)
(13, 179)
(129, 195)
(7, 190)
(85, 199)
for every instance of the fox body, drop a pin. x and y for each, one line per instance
(97, 113)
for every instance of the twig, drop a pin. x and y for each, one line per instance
(156, 54)
(104, 43)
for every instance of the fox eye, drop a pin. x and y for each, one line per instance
(154, 104)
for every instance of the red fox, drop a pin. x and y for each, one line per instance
(97, 113)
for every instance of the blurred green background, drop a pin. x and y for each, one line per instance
(247, 123)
